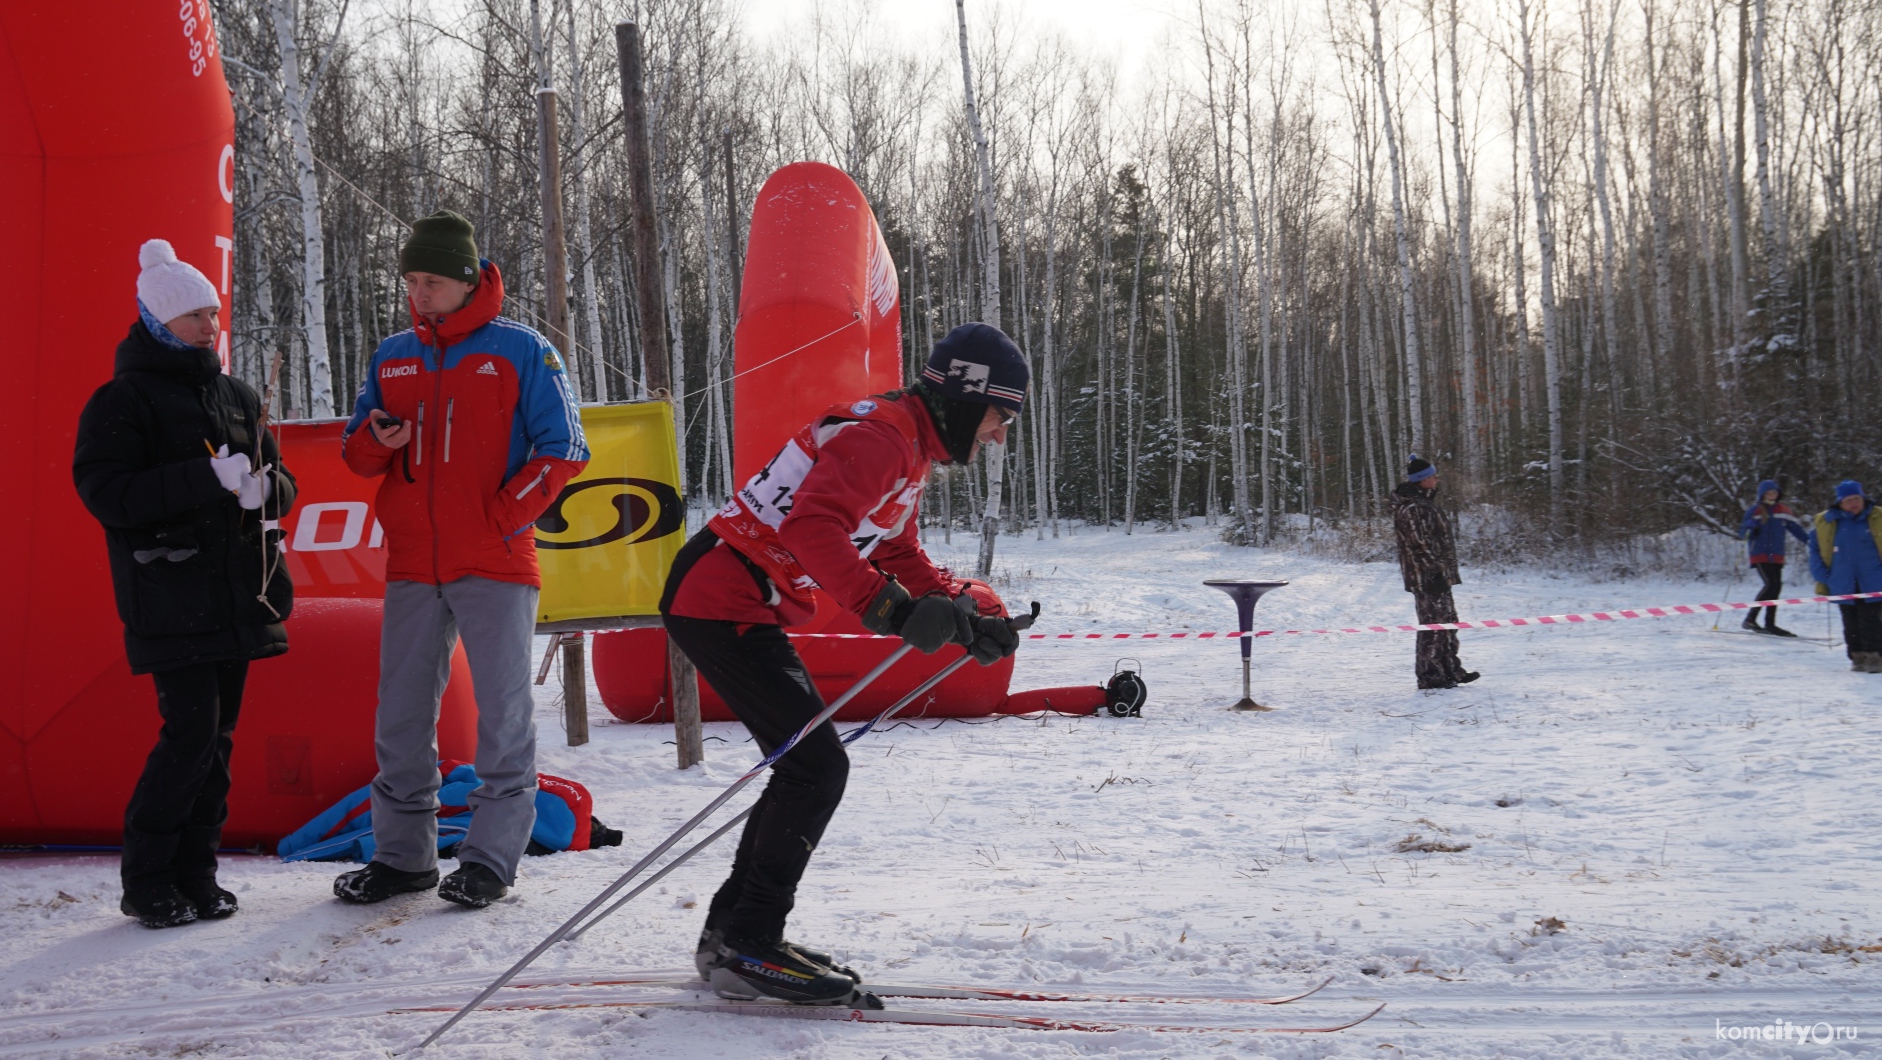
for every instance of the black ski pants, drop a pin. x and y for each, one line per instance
(1437, 662)
(1773, 575)
(173, 824)
(1862, 626)
(762, 678)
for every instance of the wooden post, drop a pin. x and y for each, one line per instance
(653, 338)
(556, 291)
(575, 687)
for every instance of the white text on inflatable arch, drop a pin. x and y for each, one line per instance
(312, 521)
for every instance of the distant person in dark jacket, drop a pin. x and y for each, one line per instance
(168, 459)
(1766, 523)
(1427, 557)
(1848, 559)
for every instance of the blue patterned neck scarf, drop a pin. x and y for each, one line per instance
(164, 336)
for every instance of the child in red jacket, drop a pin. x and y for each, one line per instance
(835, 509)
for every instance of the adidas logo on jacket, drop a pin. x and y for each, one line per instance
(496, 434)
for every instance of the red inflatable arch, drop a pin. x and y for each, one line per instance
(116, 127)
(819, 322)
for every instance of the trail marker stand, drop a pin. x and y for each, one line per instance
(1245, 593)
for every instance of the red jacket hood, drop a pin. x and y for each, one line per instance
(452, 328)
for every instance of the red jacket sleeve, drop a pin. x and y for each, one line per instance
(862, 465)
(902, 556)
(524, 498)
(363, 453)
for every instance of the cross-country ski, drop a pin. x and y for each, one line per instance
(918, 1017)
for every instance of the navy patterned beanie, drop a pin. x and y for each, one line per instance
(978, 363)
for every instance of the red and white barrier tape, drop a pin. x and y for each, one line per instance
(1488, 623)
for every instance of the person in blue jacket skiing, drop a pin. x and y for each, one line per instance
(1766, 522)
(1846, 559)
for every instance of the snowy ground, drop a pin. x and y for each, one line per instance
(1668, 830)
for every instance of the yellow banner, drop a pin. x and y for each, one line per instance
(607, 541)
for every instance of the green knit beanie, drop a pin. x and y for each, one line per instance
(442, 244)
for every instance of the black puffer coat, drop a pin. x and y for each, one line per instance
(142, 469)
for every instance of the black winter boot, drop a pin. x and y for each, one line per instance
(157, 906)
(379, 881)
(473, 886)
(210, 900)
(745, 970)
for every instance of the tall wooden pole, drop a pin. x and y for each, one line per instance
(556, 293)
(653, 339)
(731, 223)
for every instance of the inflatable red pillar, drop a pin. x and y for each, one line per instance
(819, 322)
(116, 127)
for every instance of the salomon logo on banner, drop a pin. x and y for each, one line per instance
(643, 510)
(607, 539)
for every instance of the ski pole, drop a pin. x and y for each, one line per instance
(668, 843)
(1020, 623)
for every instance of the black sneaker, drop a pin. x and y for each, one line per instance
(749, 971)
(158, 907)
(379, 881)
(708, 954)
(211, 901)
(473, 886)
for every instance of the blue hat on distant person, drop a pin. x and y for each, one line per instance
(1848, 488)
(1419, 469)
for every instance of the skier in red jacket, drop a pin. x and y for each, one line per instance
(835, 509)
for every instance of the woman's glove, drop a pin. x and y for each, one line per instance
(257, 488)
(230, 470)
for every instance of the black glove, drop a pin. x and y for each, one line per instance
(994, 638)
(885, 613)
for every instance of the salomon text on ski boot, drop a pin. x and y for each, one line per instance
(746, 970)
(708, 954)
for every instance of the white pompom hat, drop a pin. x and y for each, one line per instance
(170, 288)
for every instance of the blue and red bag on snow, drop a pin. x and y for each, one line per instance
(343, 832)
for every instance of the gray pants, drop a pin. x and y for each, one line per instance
(422, 625)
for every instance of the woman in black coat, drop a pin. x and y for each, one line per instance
(167, 461)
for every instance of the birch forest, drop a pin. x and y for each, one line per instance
(1607, 262)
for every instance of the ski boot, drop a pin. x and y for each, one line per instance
(1775, 630)
(744, 970)
(708, 954)
(1750, 624)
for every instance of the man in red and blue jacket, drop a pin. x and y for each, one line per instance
(469, 419)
